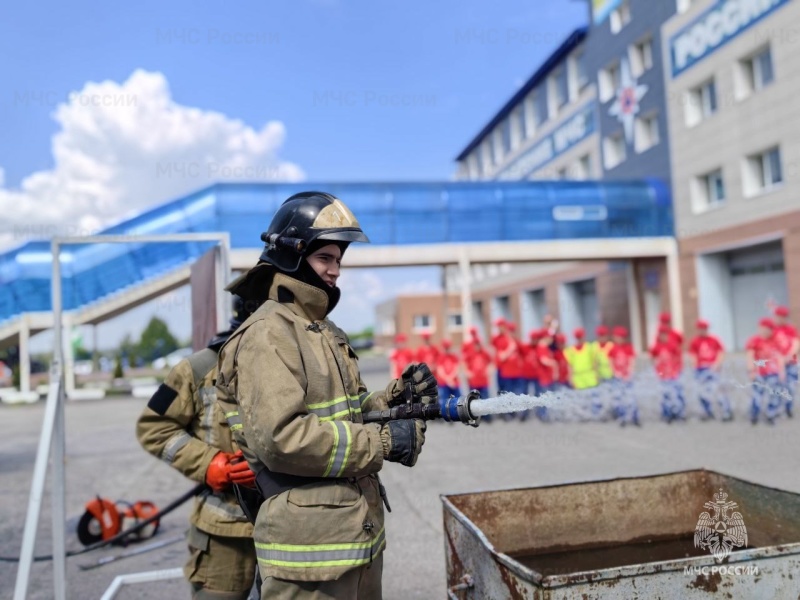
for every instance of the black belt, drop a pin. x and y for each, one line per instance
(271, 484)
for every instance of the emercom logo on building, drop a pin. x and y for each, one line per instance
(714, 28)
(721, 532)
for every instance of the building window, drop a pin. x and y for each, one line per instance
(559, 91)
(505, 128)
(423, 323)
(641, 56)
(540, 109)
(754, 73)
(684, 5)
(497, 145)
(454, 321)
(701, 103)
(472, 166)
(620, 16)
(707, 191)
(583, 168)
(762, 171)
(580, 75)
(529, 110)
(613, 150)
(646, 132)
(486, 156)
(608, 80)
(517, 127)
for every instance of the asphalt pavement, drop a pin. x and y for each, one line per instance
(103, 457)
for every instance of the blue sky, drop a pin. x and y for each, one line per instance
(356, 90)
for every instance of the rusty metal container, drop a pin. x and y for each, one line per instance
(625, 538)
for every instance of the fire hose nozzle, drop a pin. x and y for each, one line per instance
(458, 409)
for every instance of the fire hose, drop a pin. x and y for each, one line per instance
(131, 531)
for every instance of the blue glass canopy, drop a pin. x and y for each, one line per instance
(389, 213)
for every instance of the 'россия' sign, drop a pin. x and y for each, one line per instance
(714, 28)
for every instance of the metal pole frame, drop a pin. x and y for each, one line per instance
(53, 435)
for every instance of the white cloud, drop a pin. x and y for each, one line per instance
(122, 148)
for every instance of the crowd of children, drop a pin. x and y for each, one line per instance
(605, 367)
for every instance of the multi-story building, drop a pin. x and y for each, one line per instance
(593, 110)
(732, 76)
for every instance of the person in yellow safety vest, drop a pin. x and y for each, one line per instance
(582, 359)
(603, 346)
(296, 382)
(582, 362)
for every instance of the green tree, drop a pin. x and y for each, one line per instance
(118, 372)
(156, 340)
(129, 349)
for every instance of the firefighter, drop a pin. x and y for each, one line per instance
(183, 425)
(319, 532)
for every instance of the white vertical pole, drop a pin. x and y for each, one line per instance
(24, 356)
(675, 292)
(58, 477)
(633, 307)
(466, 291)
(223, 275)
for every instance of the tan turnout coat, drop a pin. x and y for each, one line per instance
(184, 426)
(300, 396)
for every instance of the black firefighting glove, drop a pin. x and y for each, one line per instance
(402, 440)
(424, 388)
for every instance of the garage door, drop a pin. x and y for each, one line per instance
(758, 282)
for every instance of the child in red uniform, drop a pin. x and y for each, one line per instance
(789, 345)
(530, 360)
(428, 353)
(477, 362)
(708, 352)
(401, 356)
(621, 358)
(548, 369)
(563, 365)
(765, 367)
(447, 372)
(667, 362)
(472, 342)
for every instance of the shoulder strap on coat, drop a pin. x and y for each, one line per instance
(202, 363)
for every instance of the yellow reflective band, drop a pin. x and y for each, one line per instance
(233, 413)
(236, 427)
(320, 547)
(327, 403)
(346, 451)
(333, 451)
(341, 413)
